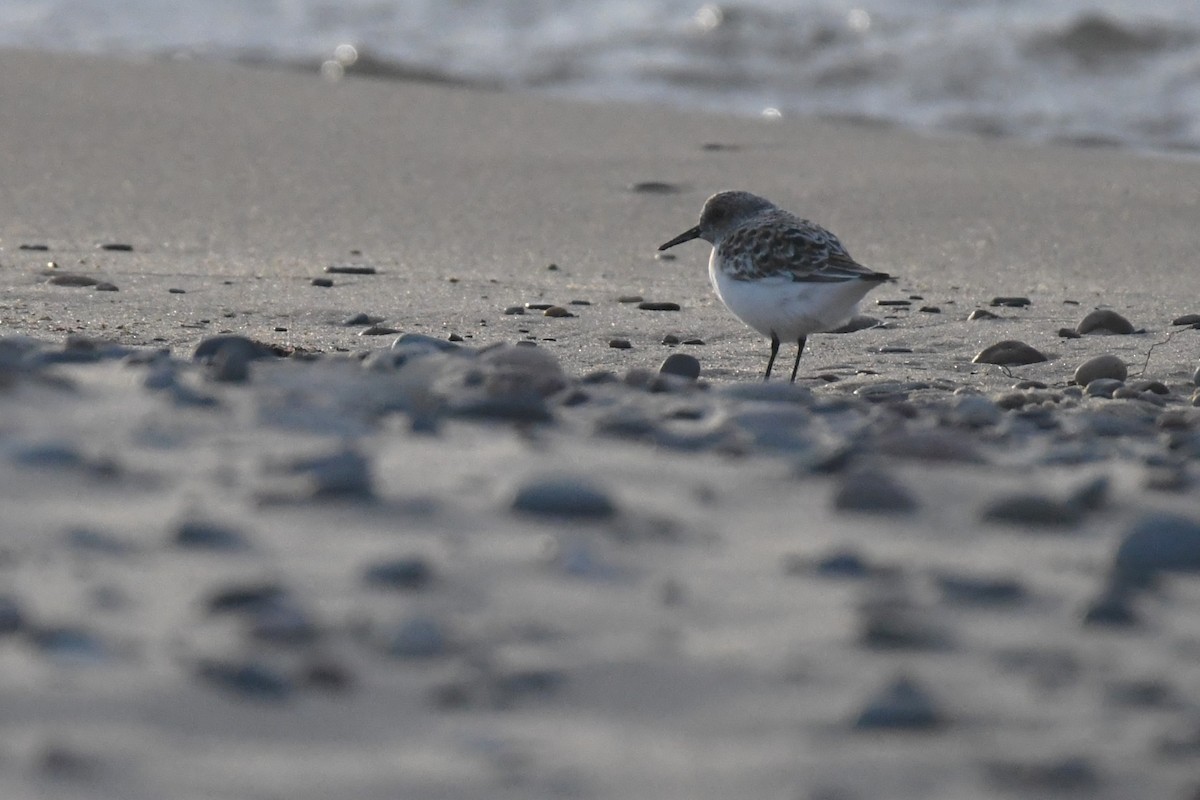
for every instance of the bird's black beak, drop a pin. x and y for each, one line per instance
(686, 236)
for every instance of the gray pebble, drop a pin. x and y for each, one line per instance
(324, 283)
(981, 313)
(210, 346)
(970, 590)
(514, 310)
(350, 269)
(1033, 509)
(874, 492)
(243, 598)
(843, 564)
(1187, 319)
(681, 364)
(420, 340)
(12, 617)
(407, 574)
(1104, 320)
(619, 344)
(105, 286)
(1069, 333)
(361, 318)
(649, 305)
(70, 279)
(557, 311)
(1102, 387)
(1157, 543)
(1105, 366)
(247, 680)
(901, 705)
(200, 535)
(1011, 302)
(1009, 353)
(378, 330)
(70, 645)
(563, 497)
(417, 638)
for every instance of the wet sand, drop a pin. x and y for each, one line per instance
(195, 607)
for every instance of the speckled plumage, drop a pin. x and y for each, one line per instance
(782, 275)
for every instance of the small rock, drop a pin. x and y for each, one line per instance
(967, 590)
(378, 330)
(539, 306)
(981, 313)
(1102, 387)
(929, 310)
(70, 279)
(897, 303)
(1009, 353)
(1010, 302)
(210, 346)
(361, 318)
(1069, 333)
(1104, 320)
(105, 286)
(12, 617)
(515, 310)
(630, 298)
(563, 497)
(620, 344)
(324, 283)
(681, 364)
(874, 492)
(671, 338)
(655, 187)
(1187, 319)
(406, 574)
(1033, 509)
(649, 305)
(557, 311)
(200, 535)
(842, 564)
(1158, 542)
(248, 680)
(901, 705)
(117, 247)
(350, 269)
(1105, 366)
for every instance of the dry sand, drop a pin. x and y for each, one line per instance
(684, 647)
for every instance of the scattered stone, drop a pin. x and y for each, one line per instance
(1033, 509)
(105, 286)
(1102, 387)
(71, 279)
(1069, 333)
(1105, 366)
(557, 311)
(843, 564)
(620, 344)
(361, 318)
(890, 349)
(981, 313)
(1009, 353)
(873, 491)
(968, 590)
(70, 645)
(1073, 774)
(539, 306)
(406, 574)
(901, 705)
(248, 680)
(1104, 320)
(1187, 319)
(37, 247)
(514, 310)
(350, 269)
(681, 364)
(552, 267)
(1157, 543)
(929, 310)
(231, 362)
(630, 298)
(324, 283)
(893, 303)
(417, 638)
(1010, 302)
(244, 599)
(116, 247)
(378, 330)
(655, 187)
(563, 497)
(454, 337)
(648, 305)
(693, 341)
(1157, 387)
(208, 348)
(670, 339)
(200, 535)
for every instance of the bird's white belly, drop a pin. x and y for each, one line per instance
(779, 306)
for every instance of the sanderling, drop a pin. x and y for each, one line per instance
(783, 276)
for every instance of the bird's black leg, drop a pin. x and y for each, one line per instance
(799, 351)
(771, 360)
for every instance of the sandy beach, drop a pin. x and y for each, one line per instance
(314, 562)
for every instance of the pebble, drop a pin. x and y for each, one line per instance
(1033, 509)
(324, 283)
(557, 311)
(1112, 608)
(655, 187)
(200, 535)
(1102, 387)
(105, 286)
(567, 497)
(344, 475)
(70, 645)
(620, 344)
(244, 598)
(650, 305)
(211, 345)
(12, 617)
(970, 590)
(901, 705)
(981, 313)
(417, 638)
(71, 279)
(843, 564)
(1105, 366)
(1009, 353)
(1157, 543)
(378, 330)
(411, 341)
(361, 318)
(671, 338)
(117, 247)
(873, 491)
(1010, 302)
(1069, 333)
(539, 306)
(630, 298)
(406, 574)
(1187, 319)
(514, 310)
(248, 680)
(36, 247)
(350, 269)
(899, 303)
(681, 364)
(1104, 320)
(929, 310)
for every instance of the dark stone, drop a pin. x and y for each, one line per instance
(1068, 333)
(1156, 543)
(648, 305)
(1187, 319)
(1104, 320)
(210, 346)
(967, 590)
(117, 247)
(901, 705)
(1010, 302)
(980, 313)
(1105, 366)
(247, 680)
(563, 497)
(681, 364)
(655, 187)
(324, 283)
(874, 492)
(557, 311)
(199, 535)
(350, 269)
(70, 279)
(1009, 353)
(1033, 509)
(406, 574)
(619, 344)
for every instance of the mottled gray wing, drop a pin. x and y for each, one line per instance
(798, 249)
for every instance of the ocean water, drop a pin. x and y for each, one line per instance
(1119, 72)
